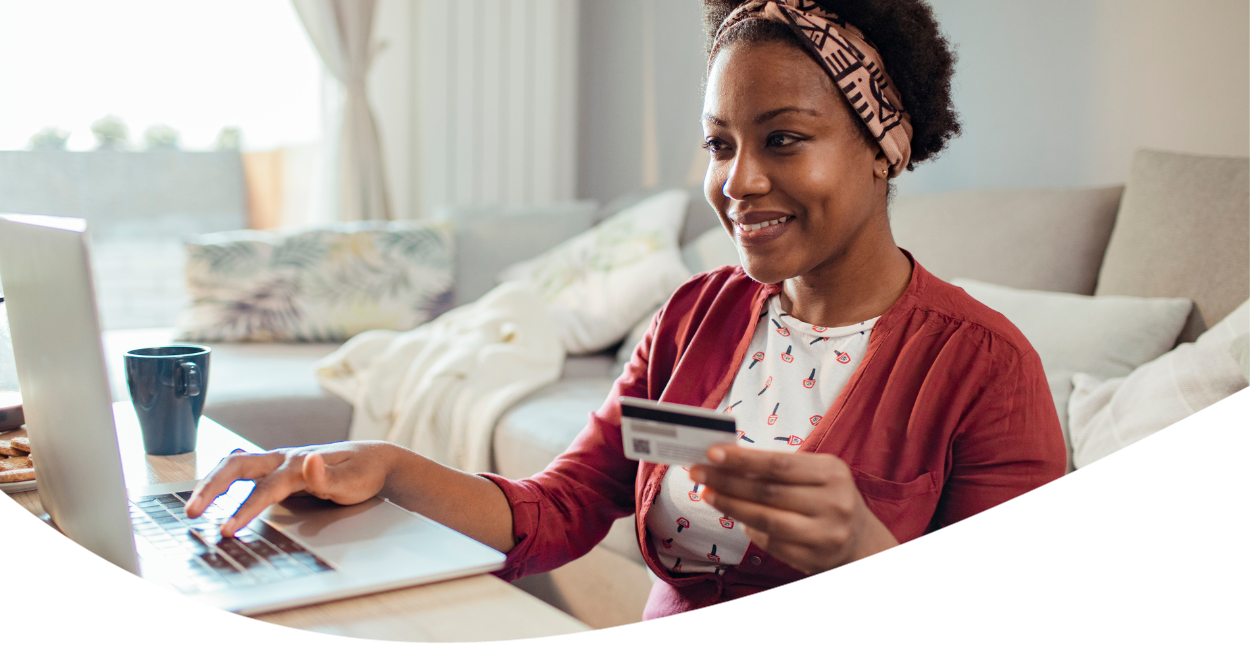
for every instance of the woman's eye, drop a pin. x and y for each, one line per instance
(781, 140)
(712, 145)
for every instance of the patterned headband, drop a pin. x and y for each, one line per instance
(852, 62)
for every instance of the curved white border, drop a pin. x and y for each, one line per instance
(1146, 547)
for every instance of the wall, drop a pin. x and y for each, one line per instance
(1061, 93)
(1055, 93)
(615, 152)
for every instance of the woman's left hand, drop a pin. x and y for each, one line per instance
(802, 508)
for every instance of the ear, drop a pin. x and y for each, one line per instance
(881, 166)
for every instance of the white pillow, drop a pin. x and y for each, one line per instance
(1103, 336)
(1106, 416)
(714, 248)
(598, 284)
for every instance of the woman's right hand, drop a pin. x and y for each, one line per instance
(344, 472)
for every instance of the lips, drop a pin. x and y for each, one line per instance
(756, 228)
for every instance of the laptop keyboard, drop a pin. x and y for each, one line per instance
(195, 558)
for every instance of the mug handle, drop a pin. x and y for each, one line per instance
(189, 384)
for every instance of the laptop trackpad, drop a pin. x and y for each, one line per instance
(356, 534)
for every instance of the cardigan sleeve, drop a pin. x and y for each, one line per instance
(1008, 440)
(561, 513)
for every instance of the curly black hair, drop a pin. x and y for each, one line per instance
(917, 57)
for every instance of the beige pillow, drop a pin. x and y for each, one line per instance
(1039, 239)
(1103, 336)
(1182, 231)
(1107, 415)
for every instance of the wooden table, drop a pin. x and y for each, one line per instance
(480, 608)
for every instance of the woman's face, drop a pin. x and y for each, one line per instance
(785, 146)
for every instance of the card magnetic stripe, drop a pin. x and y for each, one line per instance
(692, 421)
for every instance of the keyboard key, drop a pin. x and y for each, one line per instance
(279, 540)
(264, 573)
(289, 569)
(168, 499)
(217, 562)
(262, 549)
(240, 579)
(184, 495)
(237, 552)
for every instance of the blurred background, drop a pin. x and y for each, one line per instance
(157, 119)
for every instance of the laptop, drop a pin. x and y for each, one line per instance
(301, 551)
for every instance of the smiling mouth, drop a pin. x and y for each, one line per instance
(756, 227)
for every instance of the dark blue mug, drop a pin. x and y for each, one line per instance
(167, 386)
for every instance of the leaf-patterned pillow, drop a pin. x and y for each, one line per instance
(316, 285)
(598, 284)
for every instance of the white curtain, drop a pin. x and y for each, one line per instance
(342, 31)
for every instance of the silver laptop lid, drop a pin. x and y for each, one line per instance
(65, 392)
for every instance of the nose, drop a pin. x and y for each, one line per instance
(747, 177)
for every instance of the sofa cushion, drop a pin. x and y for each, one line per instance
(491, 238)
(267, 393)
(1181, 232)
(541, 426)
(1030, 239)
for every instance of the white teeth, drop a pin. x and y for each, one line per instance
(757, 227)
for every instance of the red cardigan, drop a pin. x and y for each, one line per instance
(947, 415)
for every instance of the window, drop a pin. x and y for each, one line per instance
(192, 68)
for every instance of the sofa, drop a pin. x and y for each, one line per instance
(1180, 227)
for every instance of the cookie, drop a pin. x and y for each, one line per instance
(17, 475)
(21, 443)
(7, 448)
(13, 463)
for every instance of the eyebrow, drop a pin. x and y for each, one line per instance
(765, 116)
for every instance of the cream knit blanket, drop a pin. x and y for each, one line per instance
(439, 388)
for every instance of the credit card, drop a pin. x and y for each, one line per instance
(667, 433)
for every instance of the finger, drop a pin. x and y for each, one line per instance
(758, 537)
(228, 470)
(272, 488)
(316, 480)
(809, 500)
(798, 556)
(790, 468)
(776, 523)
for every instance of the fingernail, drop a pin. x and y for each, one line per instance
(716, 455)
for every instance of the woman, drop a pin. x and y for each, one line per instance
(876, 403)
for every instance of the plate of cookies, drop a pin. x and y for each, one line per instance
(17, 467)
